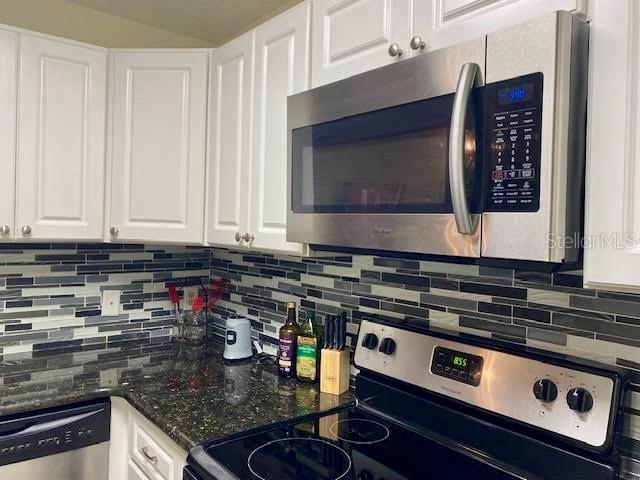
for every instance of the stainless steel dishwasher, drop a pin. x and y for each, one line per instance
(69, 443)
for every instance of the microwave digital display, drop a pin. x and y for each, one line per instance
(516, 94)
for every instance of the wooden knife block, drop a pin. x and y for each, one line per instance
(334, 371)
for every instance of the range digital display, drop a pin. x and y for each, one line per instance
(515, 94)
(460, 366)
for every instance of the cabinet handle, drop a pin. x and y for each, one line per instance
(26, 230)
(5, 230)
(113, 231)
(152, 458)
(248, 237)
(417, 43)
(395, 50)
(239, 237)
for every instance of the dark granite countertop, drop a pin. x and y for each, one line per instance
(188, 392)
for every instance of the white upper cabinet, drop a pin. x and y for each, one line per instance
(229, 156)
(158, 137)
(61, 143)
(353, 36)
(612, 251)
(281, 69)
(448, 22)
(8, 92)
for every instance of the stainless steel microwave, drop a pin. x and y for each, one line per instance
(474, 150)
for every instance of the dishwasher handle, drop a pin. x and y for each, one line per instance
(36, 428)
(56, 430)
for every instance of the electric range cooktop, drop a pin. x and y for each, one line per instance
(439, 408)
(349, 445)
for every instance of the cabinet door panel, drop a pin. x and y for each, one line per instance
(282, 69)
(230, 141)
(612, 227)
(353, 36)
(158, 146)
(60, 166)
(449, 22)
(134, 472)
(8, 92)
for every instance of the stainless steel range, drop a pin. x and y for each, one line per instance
(439, 405)
(473, 150)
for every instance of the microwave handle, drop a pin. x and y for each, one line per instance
(465, 221)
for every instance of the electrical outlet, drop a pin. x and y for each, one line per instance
(111, 303)
(189, 294)
(270, 349)
(109, 378)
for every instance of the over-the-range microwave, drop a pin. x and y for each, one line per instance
(475, 150)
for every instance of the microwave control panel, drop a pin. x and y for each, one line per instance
(514, 117)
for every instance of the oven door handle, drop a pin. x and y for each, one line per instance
(465, 221)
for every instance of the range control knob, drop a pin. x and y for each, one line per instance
(579, 400)
(545, 390)
(370, 341)
(388, 346)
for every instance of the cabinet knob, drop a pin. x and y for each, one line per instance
(417, 43)
(395, 50)
(26, 230)
(248, 237)
(113, 231)
(5, 230)
(239, 237)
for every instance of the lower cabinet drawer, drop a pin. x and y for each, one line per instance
(134, 473)
(150, 455)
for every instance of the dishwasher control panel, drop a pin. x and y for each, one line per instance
(41, 433)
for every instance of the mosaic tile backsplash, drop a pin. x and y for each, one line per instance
(50, 294)
(50, 298)
(549, 311)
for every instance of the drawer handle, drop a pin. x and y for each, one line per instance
(152, 458)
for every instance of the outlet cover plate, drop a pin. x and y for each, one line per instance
(111, 303)
(189, 294)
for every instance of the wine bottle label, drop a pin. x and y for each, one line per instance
(307, 357)
(287, 351)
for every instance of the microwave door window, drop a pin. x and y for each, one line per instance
(388, 161)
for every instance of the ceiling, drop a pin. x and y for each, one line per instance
(213, 21)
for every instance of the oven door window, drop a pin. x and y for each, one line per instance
(393, 160)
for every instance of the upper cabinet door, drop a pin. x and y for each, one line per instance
(8, 92)
(158, 136)
(442, 23)
(229, 153)
(353, 36)
(60, 164)
(282, 69)
(612, 230)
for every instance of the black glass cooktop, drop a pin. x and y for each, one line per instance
(349, 445)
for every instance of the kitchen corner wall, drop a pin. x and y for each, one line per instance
(549, 311)
(50, 294)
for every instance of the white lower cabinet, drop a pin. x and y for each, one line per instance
(134, 472)
(8, 94)
(139, 449)
(612, 224)
(282, 68)
(157, 145)
(61, 124)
